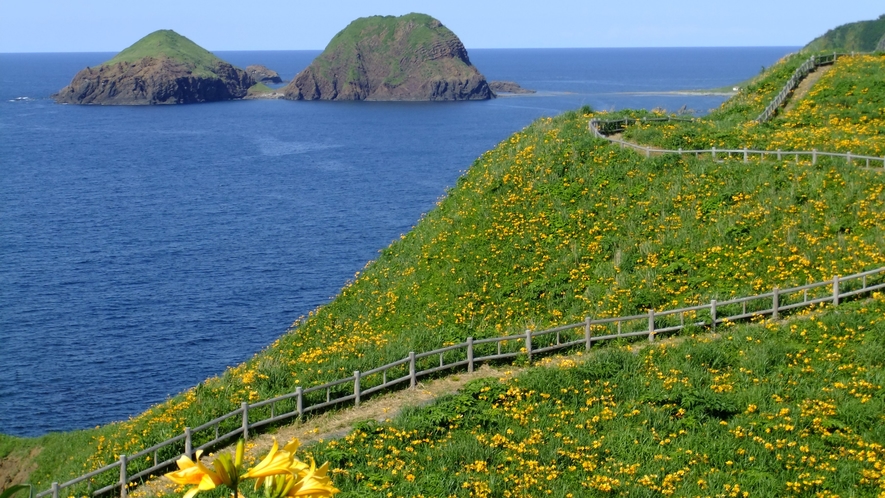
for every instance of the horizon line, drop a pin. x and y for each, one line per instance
(474, 48)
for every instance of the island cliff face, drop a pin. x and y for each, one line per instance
(161, 68)
(412, 57)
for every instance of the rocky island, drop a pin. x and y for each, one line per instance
(263, 74)
(161, 68)
(411, 57)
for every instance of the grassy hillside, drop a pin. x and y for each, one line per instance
(169, 44)
(861, 36)
(550, 226)
(844, 112)
(778, 409)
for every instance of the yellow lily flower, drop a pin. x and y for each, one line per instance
(194, 472)
(314, 483)
(275, 463)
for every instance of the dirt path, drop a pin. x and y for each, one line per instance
(805, 86)
(339, 423)
(383, 408)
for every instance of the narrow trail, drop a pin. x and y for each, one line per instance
(337, 424)
(384, 408)
(804, 87)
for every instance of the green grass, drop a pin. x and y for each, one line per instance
(169, 44)
(550, 226)
(260, 88)
(384, 28)
(789, 409)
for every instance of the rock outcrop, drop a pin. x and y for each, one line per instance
(412, 57)
(262, 74)
(508, 87)
(161, 68)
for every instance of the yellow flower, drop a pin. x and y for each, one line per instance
(194, 472)
(314, 483)
(275, 463)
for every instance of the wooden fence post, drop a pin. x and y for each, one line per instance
(413, 380)
(587, 334)
(745, 154)
(528, 344)
(813, 156)
(713, 153)
(356, 388)
(245, 407)
(470, 354)
(299, 394)
(651, 325)
(778, 154)
(713, 314)
(188, 443)
(836, 290)
(775, 303)
(124, 488)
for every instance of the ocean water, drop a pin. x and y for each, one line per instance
(144, 249)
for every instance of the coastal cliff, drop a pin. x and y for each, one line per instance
(412, 57)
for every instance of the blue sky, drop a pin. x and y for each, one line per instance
(110, 26)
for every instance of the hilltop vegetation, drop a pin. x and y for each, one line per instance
(861, 36)
(169, 44)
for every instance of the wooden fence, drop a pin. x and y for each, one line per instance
(601, 128)
(801, 72)
(468, 355)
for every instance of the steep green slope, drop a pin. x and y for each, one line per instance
(861, 36)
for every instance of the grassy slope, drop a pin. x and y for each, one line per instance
(549, 226)
(778, 409)
(861, 36)
(168, 43)
(844, 112)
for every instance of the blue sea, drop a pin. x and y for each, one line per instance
(144, 249)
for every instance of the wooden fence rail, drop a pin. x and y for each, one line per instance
(600, 128)
(467, 355)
